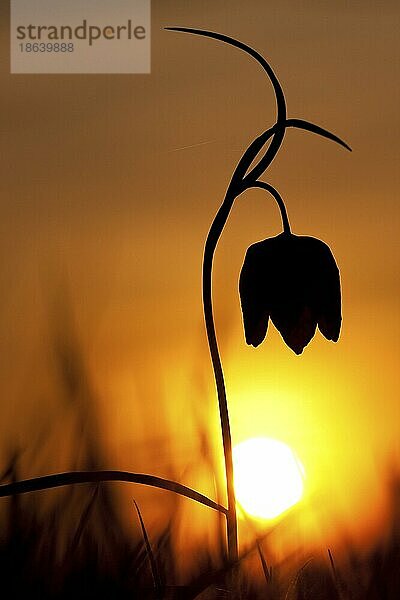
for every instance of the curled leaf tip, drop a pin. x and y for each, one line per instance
(307, 126)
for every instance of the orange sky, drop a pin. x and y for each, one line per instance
(96, 198)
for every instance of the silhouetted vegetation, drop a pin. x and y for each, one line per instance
(72, 542)
(98, 559)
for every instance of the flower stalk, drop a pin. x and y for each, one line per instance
(243, 178)
(209, 251)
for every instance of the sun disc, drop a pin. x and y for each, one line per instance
(268, 477)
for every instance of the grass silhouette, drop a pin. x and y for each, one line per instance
(46, 554)
(110, 564)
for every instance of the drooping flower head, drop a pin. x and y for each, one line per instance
(294, 281)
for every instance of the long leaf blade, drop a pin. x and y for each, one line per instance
(307, 126)
(55, 480)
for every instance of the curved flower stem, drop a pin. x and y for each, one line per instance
(269, 188)
(234, 189)
(242, 179)
(47, 482)
(211, 243)
(209, 251)
(279, 128)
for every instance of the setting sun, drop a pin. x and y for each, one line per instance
(268, 477)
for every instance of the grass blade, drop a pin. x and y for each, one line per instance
(153, 565)
(338, 583)
(84, 519)
(78, 477)
(293, 584)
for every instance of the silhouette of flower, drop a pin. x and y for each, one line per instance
(294, 280)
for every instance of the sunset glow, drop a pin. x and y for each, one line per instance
(164, 313)
(268, 477)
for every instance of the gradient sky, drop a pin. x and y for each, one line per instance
(98, 199)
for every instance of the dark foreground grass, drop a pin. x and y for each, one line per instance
(96, 558)
(71, 542)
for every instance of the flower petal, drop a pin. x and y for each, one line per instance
(254, 308)
(297, 333)
(329, 309)
(325, 294)
(295, 281)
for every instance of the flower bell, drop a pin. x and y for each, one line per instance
(294, 280)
